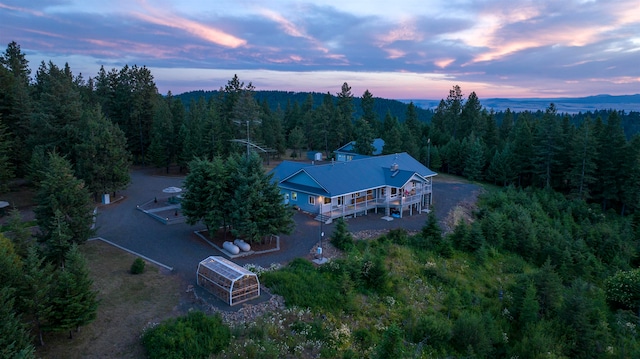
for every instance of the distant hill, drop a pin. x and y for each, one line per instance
(280, 99)
(563, 104)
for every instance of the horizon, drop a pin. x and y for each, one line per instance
(405, 50)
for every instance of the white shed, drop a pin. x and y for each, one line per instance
(228, 281)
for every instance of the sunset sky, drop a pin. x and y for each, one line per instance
(403, 49)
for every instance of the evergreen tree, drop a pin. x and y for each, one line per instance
(162, 149)
(35, 290)
(547, 146)
(193, 131)
(6, 167)
(391, 135)
(296, 141)
(506, 126)
(16, 105)
(452, 112)
(581, 174)
(341, 130)
(196, 203)
(74, 303)
(257, 209)
(18, 232)
(15, 341)
(58, 110)
(341, 238)
(367, 102)
(502, 166)
(474, 162)
(63, 197)
(431, 233)
(219, 191)
(528, 314)
(364, 138)
(471, 119)
(523, 149)
(102, 159)
(611, 163)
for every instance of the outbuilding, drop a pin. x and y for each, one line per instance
(228, 281)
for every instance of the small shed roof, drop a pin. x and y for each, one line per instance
(225, 268)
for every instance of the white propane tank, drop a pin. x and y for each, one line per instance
(244, 246)
(230, 247)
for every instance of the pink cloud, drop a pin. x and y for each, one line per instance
(166, 18)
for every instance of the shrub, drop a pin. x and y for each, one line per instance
(302, 285)
(195, 335)
(138, 266)
(341, 237)
(623, 289)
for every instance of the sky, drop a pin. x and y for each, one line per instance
(401, 49)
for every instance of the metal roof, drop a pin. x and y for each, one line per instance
(377, 144)
(340, 178)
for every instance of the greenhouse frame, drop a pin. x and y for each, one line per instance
(228, 281)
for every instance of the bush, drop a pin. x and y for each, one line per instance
(138, 266)
(194, 336)
(302, 285)
(341, 237)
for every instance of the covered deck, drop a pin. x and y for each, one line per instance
(413, 198)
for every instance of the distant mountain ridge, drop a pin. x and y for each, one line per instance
(280, 99)
(625, 103)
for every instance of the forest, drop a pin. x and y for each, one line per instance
(546, 268)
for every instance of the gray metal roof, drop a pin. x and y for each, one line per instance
(341, 178)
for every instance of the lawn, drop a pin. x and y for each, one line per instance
(128, 303)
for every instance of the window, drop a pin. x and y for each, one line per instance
(327, 200)
(394, 191)
(294, 196)
(312, 200)
(340, 200)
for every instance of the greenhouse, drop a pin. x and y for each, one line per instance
(227, 280)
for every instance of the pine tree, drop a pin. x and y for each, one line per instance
(547, 146)
(296, 141)
(196, 201)
(35, 290)
(364, 138)
(341, 238)
(581, 174)
(612, 161)
(16, 105)
(474, 162)
(74, 303)
(6, 167)
(102, 158)
(15, 341)
(163, 140)
(18, 232)
(367, 102)
(341, 130)
(502, 166)
(62, 197)
(256, 206)
(431, 233)
(391, 135)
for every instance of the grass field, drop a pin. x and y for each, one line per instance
(128, 303)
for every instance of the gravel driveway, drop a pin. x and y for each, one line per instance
(177, 246)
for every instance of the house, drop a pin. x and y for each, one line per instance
(348, 152)
(394, 184)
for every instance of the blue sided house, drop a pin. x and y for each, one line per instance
(394, 184)
(348, 151)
